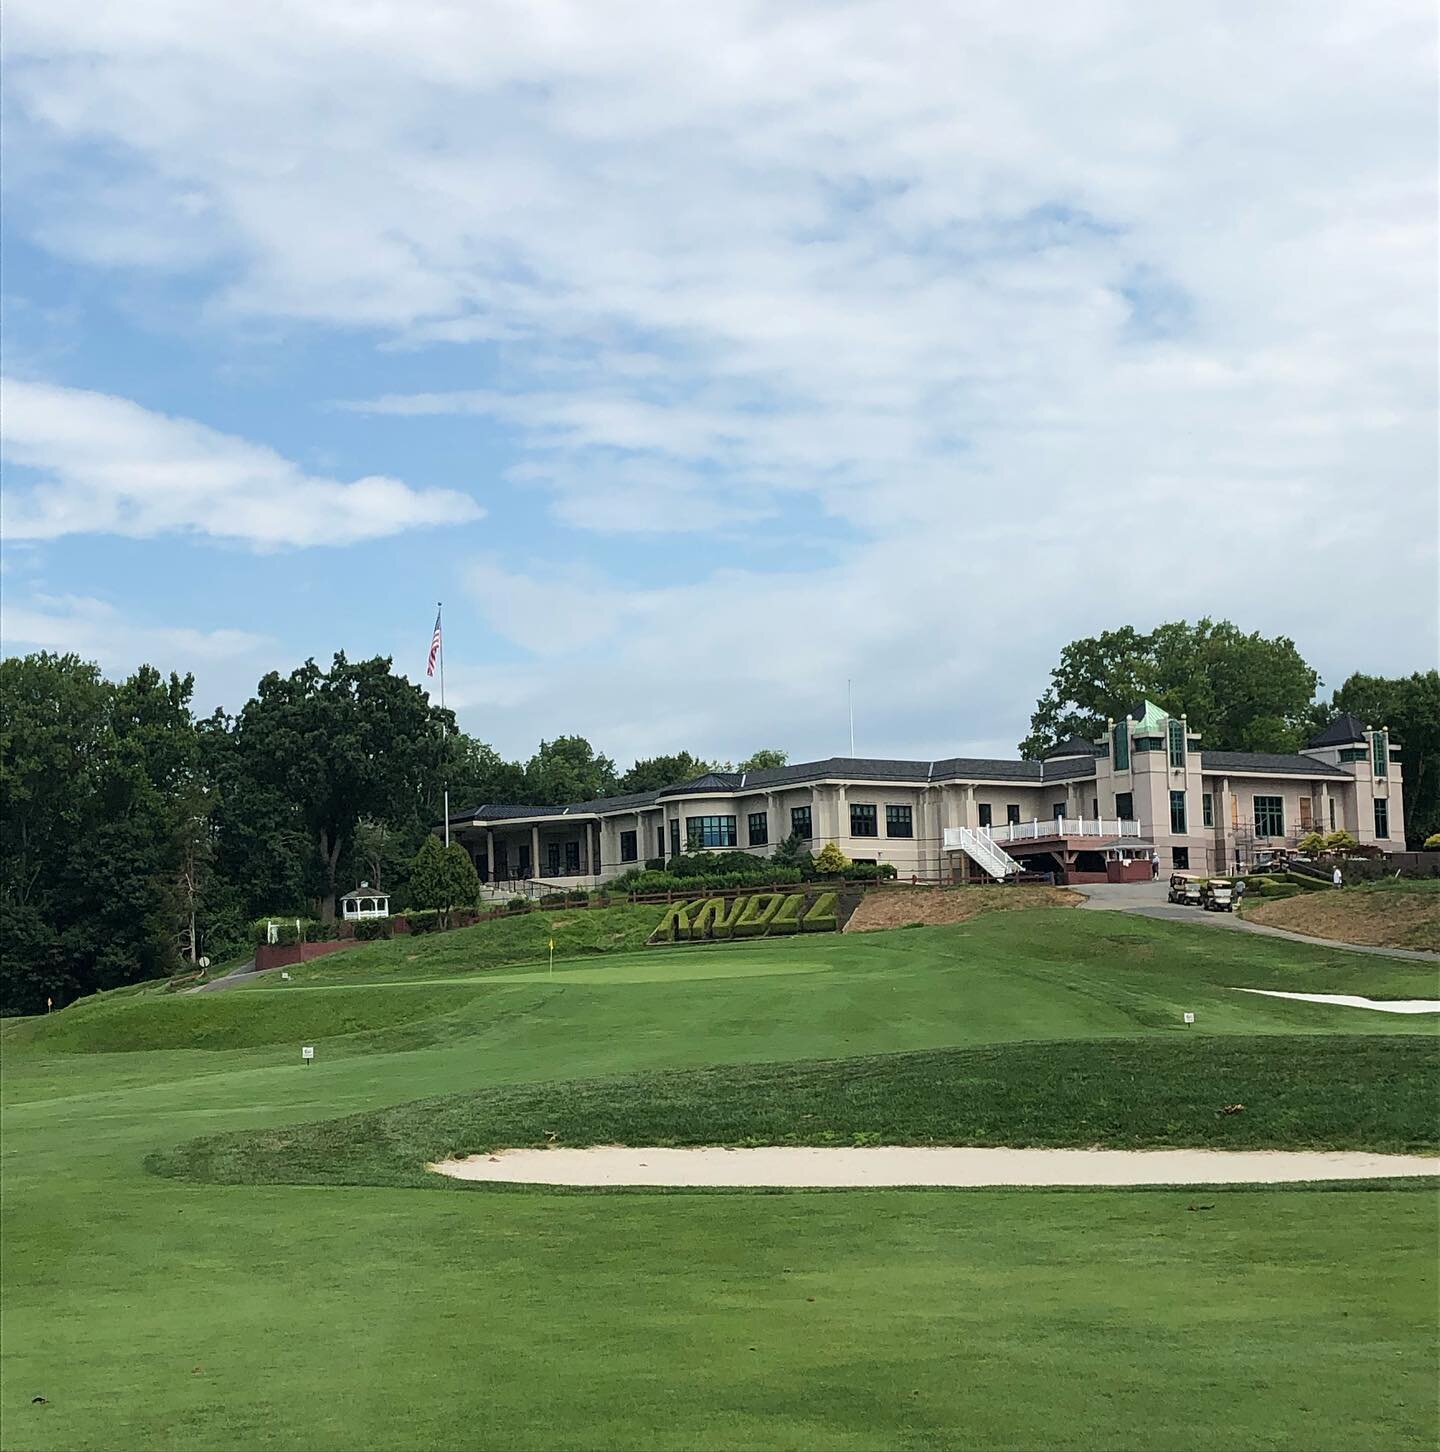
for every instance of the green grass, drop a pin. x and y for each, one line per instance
(1321, 1092)
(160, 1312)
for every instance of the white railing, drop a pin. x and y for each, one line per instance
(1063, 827)
(981, 850)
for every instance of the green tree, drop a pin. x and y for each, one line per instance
(443, 878)
(654, 772)
(565, 770)
(476, 773)
(1410, 707)
(97, 781)
(315, 751)
(1240, 692)
(831, 860)
(764, 759)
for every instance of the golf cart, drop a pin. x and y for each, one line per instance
(1185, 888)
(1218, 895)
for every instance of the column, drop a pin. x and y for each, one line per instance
(490, 853)
(534, 852)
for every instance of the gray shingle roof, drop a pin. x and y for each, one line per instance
(1071, 746)
(1342, 731)
(1267, 761)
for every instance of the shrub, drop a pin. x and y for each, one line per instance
(822, 916)
(1340, 841)
(870, 871)
(723, 923)
(1432, 843)
(554, 899)
(753, 922)
(703, 915)
(424, 920)
(675, 923)
(370, 930)
(831, 861)
(1312, 844)
(518, 905)
(285, 930)
(653, 864)
(787, 919)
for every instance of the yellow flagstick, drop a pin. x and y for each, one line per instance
(552, 957)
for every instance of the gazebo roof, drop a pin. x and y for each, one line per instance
(363, 891)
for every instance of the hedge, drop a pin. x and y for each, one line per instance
(424, 920)
(754, 921)
(723, 923)
(822, 917)
(370, 930)
(787, 920)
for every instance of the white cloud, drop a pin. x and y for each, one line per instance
(96, 630)
(1041, 319)
(105, 465)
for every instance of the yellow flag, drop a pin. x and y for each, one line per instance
(552, 945)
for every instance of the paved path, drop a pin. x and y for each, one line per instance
(1148, 900)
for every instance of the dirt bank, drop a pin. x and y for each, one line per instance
(900, 907)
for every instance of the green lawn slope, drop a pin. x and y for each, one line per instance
(175, 1311)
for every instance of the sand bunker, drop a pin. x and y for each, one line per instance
(1350, 1000)
(798, 1167)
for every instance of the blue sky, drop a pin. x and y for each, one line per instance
(701, 361)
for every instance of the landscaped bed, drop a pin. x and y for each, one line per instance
(1394, 914)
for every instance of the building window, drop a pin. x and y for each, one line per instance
(1149, 743)
(899, 822)
(552, 859)
(987, 815)
(1120, 746)
(674, 836)
(1177, 814)
(1207, 809)
(800, 823)
(710, 832)
(660, 841)
(1380, 754)
(1012, 814)
(1269, 816)
(1382, 817)
(1058, 811)
(1180, 859)
(1095, 808)
(1177, 744)
(629, 846)
(1352, 753)
(863, 820)
(572, 857)
(758, 825)
(1125, 806)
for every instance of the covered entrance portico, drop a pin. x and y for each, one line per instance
(561, 849)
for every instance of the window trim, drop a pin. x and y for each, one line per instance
(1129, 799)
(1382, 818)
(1176, 734)
(630, 846)
(1120, 751)
(1273, 816)
(706, 833)
(796, 813)
(903, 815)
(1177, 803)
(1012, 814)
(1207, 808)
(985, 814)
(763, 840)
(1380, 753)
(859, 823)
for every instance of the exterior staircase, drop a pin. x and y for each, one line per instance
(982, 851)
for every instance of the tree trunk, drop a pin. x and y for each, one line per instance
(329, 860)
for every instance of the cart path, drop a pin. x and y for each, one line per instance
(1148, 900)
(799, 1167)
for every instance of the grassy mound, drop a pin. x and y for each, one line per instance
(1298, 1093)
(233, 1020)
(1383, 915)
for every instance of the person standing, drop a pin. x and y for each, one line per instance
(1338, 878)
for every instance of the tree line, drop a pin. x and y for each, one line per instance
(135, 836)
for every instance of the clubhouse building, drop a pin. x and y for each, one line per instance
(1147, 790)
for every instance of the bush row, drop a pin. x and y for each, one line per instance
(765, 914)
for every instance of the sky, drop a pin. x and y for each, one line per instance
(703, 359)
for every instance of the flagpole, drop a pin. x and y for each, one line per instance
(439, 610)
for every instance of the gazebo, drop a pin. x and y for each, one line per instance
(365, 902)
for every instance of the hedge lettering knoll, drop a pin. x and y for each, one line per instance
(765, 914)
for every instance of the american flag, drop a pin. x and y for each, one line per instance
(434, 647)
